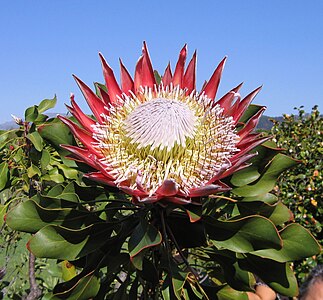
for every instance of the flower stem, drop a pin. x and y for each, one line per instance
(181, 252)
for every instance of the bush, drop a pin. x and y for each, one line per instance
(301, 187)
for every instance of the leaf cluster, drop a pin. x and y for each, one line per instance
(110, 248)
(301, 188)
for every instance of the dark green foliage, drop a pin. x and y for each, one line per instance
(301, 188)
(29, 166)
(97, 244)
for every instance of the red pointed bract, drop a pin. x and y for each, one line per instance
(212, 85)
(208, 190)
(93, 100)
(110, 81)
(204, 85)
(237, 88)
(238, 164)
(168, 188)
(127, 83)
(148, 77)
(104, 97)
(189, 77)
(99, 177)
(244, 104)
(133, 192)
(179, 69)
(81, 154)
(251, 124)
(167, 77)
(250, 138)
(148, 200)
(138, 77)
(84, 120)
(82, 135)
(245, 148)
(226, 101)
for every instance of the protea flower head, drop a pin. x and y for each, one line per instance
(163, 141)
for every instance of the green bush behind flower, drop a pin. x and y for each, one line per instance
(301, 187)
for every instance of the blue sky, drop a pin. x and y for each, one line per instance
(275, 43)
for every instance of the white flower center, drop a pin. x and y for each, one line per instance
(160, 123)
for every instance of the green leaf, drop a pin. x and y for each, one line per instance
(138, 260)
(173, 285)
(245, 176)
(69, 194)
(279, 276)
(40, 119)
(251, 110)
(56, 132)
(298, 243)
(277, 213)
(2, 214)
(243, 235)
(36, 140)
(47, 104)
(195, 289)
(144, 236)
(267, 197)
(29, 216)
(32, 171)
(4, 134)
(45, 160)
(228, 293)
(194, 212)
(50, 296)
(66, 161)
(62, 243)
(55, 202)
(31, 114)
(178, 281)
(266, 153)
(121, 293)
(68, 270)
(55, 190)
(57, 178)
(236, 277)
(102, 86)
(69, 173)
(86, 288)
(157, 77)
(59, 192)
(166, 289)
(268, 179)
(4, 172)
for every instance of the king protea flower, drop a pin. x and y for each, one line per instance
(163, 141)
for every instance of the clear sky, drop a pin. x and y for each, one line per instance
(277, 43)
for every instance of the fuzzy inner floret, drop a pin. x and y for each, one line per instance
(160, 123)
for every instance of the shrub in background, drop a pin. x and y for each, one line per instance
(301, 187)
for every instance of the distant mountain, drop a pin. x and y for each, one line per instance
(8, 125)
(264, 122)
(11, 124)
